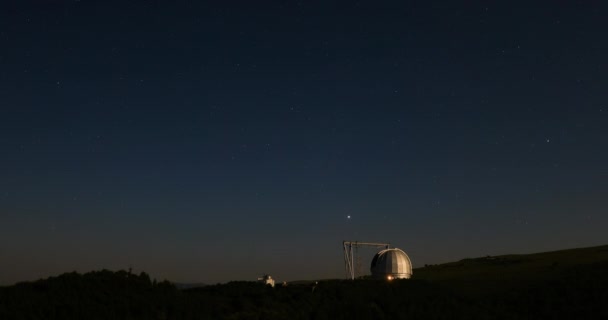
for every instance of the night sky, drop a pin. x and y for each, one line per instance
(209, 141)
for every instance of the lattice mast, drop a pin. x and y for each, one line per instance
(349, 254)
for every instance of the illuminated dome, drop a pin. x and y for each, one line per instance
(391, 264)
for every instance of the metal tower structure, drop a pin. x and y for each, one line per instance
(349, 254)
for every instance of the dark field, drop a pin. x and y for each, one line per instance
(569, 284)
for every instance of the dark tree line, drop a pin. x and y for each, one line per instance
(577, 293)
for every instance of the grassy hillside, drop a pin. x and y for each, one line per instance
(496, 274)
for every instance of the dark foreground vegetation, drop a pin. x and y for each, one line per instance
(569, 284)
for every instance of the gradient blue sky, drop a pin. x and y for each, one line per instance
(216, 141)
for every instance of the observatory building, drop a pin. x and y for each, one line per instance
(391, 264)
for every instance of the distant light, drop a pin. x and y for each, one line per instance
(348, 217)
(389, 278)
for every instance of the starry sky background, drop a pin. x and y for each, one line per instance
(208, 141)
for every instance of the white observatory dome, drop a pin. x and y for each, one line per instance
(391, 264)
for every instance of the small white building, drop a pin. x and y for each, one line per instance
(267, 279)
